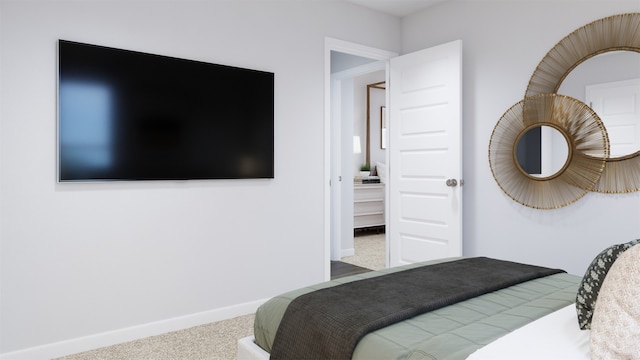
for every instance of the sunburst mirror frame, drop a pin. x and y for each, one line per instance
(614, 33)
(588, 167)
(586, 139)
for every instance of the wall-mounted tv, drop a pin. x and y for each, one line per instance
(127, 115)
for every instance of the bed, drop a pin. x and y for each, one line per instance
(501, 322)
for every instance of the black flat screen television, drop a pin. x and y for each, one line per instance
(126, 115)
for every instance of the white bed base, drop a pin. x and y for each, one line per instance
(555, 336)
(249, 350)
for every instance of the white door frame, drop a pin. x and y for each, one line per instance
(353, 49)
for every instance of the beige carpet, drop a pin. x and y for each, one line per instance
(370, 251)
(217, 341)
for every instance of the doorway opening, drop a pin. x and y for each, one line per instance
(349, 69)
(425, 221)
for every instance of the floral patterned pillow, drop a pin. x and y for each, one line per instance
(592, 281)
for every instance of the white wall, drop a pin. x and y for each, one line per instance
(84, 259)
(503, 42)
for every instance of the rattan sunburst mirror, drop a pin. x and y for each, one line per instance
(586, 140)
(588, 166)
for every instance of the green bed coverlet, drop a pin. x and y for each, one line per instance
(453, 332)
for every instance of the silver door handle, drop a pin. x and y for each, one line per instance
(452, 182)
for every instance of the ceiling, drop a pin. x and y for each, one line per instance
(397, 7)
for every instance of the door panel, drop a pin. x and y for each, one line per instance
(425, 150)
(618, 105)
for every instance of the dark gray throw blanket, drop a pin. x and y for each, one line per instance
(328, 323)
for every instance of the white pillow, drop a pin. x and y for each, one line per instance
(615, 328)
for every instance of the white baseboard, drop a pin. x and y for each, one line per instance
(86, 343)
(347, 252)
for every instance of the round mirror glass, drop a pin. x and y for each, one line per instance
(610, 84)
(542, 151)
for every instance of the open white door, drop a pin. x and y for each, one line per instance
(618, 105)
(425, 158)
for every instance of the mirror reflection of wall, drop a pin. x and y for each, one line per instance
(610, 84)
(528, 151)
(555, 151)
(542, 151)
(383, 127)
(376, 100)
